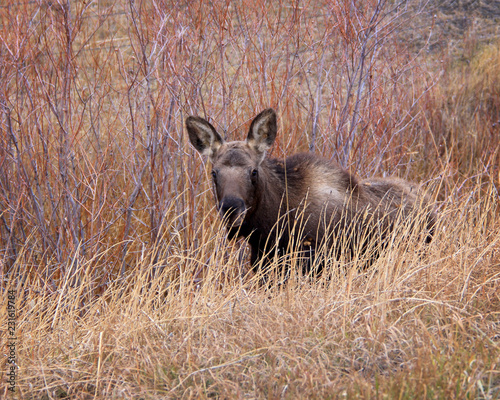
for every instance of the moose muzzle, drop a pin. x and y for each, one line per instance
(232, 210)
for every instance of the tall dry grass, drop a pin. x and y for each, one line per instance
(125, 284)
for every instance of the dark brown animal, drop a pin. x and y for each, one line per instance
(301, 203)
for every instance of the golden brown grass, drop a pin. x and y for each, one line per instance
(125, 284)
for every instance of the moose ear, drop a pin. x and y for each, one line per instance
(203, 136)
(262, 131)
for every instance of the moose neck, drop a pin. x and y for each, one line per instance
(271, 199)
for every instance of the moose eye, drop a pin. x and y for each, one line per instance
(254, 173)
(214, 175)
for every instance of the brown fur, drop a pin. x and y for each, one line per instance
(301, 202)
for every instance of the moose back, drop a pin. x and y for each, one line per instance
(302, 203)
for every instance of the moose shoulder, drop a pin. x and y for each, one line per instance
(301, 203)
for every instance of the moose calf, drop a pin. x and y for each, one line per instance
(303, 203)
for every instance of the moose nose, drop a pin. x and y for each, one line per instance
(231, 206)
